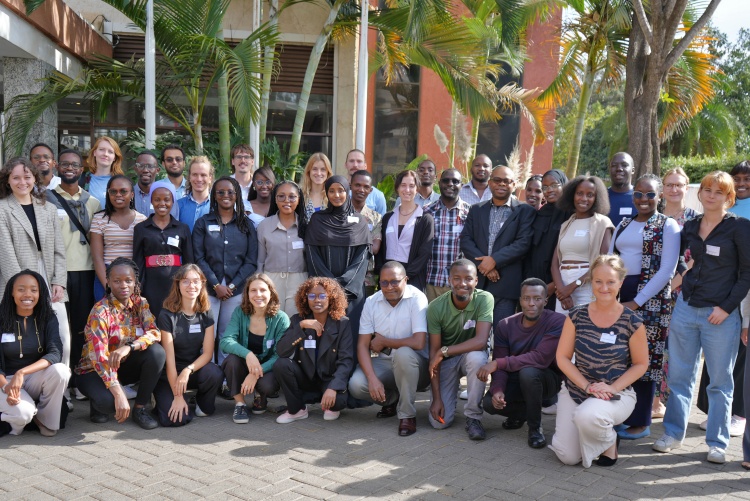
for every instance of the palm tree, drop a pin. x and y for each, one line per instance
(192, 59)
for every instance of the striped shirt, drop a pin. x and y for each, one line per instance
(446, 247)
(117, 242)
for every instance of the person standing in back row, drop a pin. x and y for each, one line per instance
(476, 190)
(621, 190)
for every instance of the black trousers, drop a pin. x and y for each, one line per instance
(524, 393)
(298, 389)
(143, 367)
(81, 293)
(235, 370)
(738, 401)
(207, 380)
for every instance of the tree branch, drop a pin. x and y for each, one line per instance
(683, 44)
(640, 14)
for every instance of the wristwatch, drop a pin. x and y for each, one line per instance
(132, 346)
(444, 351)
(231, 287)
(579, 282)
(191, 367)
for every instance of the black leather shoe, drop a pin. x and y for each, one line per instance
(513, 424)
(536, 439)
(96, 416)
(144, 418)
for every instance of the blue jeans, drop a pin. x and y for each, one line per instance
(689, 333)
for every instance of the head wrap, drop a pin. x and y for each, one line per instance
(163, 184)
(558, 176)
(340, 226)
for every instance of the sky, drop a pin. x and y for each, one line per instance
(730, 16)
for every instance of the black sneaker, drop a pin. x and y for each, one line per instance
(224, 392)
(260, 404)
(96, 416)
(240, 415)
(474, 429)
(4, 427)
(143, 417)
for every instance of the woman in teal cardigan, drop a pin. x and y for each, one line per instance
(250, 344)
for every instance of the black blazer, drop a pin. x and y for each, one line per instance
(509, 249)
(419, 253)
(334, 350)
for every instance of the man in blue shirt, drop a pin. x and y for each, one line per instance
(621, 189)
(355, 160)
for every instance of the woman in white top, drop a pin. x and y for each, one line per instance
(582, 239)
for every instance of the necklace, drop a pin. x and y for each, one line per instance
(20, 338)
(410, 213)
(189, 318)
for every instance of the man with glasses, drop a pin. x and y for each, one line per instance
(243, 160)
(43, 158)
(173, 160)
(146, 169)
(496, 238)
(449, 213)
(427, 173)
(621, 190)
(476, 191)
(75, 208)
(393, 326)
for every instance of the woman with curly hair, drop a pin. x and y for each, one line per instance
(31, 367)
(103, 161)
(187, 336)
(316, 353)
(582, 239)
(122, 347)
(250, 344)
(317, 171)
(225, 247)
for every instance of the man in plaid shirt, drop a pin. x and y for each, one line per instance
(449, 212)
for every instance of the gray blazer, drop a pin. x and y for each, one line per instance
(18, 248)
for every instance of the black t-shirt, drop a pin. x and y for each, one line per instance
(29, 210)
(46, 346)
(187, 334)
(255, 343)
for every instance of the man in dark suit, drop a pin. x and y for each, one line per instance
(496, 236)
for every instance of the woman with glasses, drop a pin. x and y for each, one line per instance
(103, 162)
(187, 336)
(112, 229)
(583, 237)
(649, 245)
(317, 170)
(545, 230)
(281, 243)
(161, 245)
(225, 246)
(316, 353)
(259, 195)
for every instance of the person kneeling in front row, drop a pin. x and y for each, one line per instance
(316, 354)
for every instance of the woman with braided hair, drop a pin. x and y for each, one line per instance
(122, 347)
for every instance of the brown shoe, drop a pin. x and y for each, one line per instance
(387, 411)
(407, 427)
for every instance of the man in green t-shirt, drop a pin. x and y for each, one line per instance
(459, 324)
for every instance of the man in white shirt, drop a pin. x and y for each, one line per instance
(393, 325)
(43, 158)
(243, 162)
(477, 189)
(355, 160)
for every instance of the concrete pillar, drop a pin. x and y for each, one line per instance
(24, 76)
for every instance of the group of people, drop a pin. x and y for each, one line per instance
(245, 286)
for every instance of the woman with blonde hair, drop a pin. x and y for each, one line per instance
(197, 200)
(250, 344)
(676, 183)
(103, 161)
(187, 336)
(317, 170)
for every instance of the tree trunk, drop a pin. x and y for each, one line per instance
(452, 144)
(587, 89)
(312, 67)
(224, 146)
(268, 60)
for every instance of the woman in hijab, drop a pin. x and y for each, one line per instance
(546, 229)
(337, 242)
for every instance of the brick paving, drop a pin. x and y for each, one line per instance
(358, 456)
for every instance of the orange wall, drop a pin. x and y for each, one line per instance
(434, 109)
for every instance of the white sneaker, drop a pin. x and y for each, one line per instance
(704, 425)
(550, 411)
(736, 426)
(331, 415)
(287, 417)
(79, 395)
(666, 444)
(464, 395)
(716, 455)
(199, 412)
(130, 393)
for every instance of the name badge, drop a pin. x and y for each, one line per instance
(61, 213)
(389, 229)
(8, 337)
(713, 250)
(608, 337)
(195, 328)
(173, 241)
(626, 211)
(138, 332)
(369, 226)
(580, 233)
(352, 219)
(298, 244)
(458, 228)
(151, 206)
(470, 324)
(310, 343)
(213, 227)
(269, 343)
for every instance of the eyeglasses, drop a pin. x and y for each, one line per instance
(69, 165)
(44, 158)
(146, 166)
(553, 186)
(226, 193)
(284, 198)
(263, 183)
(173, 159)
(638, 195)
(121, 191)
(322, 296)
(500, 180)
(672, 186)
(244, 157)
(185, 282)
(392, 283)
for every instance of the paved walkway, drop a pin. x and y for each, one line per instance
(358, 456)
